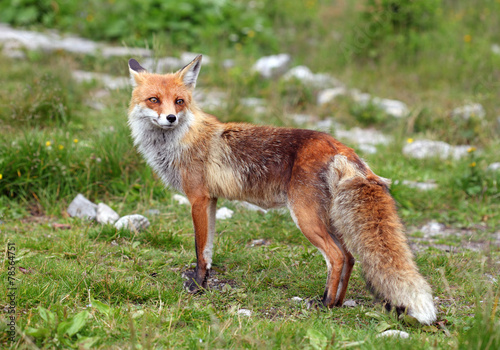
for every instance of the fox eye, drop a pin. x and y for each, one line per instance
(179, 101)
(154, 100)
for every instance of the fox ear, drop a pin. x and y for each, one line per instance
(189, 73)
(135, 70)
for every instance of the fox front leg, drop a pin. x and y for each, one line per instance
(203, 213)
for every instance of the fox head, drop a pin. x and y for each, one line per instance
(163, 100)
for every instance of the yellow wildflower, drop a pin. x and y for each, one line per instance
(472, 165)
(251, 33)
(467, 38)
(61, 147)
(47, 143)
(409, 140)
(471, 149)
(75, 140)
(1, 177)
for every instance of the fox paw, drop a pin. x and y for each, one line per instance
(193, 287)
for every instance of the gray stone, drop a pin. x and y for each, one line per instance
(495, 48)
(394, 108)
(308, 78)
(245, 312)
(181, 199)
(82, 208)
(224, 213)
(432, 229)
(394, 333)
(468, 111)
(113, 51)
(270, 66)
(106, 215)
(133, 222)
(421, 149)
(153, 212)
(494, 166)
(350, 303)
(107, 80)
(329, 95)
(363, 136)
(423, 186)
(252, 207)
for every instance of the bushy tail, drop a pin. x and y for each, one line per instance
(364, 213)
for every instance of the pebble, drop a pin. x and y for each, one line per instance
(134, 222)
(181, 199)
(224, 213)
(81, 207)
(423, 186)
(494, 166)
(433, 228)
(106, 215)
(270, 66)
(468, 111)
(394, 333)
(350, 303)
(244, 312)
(421, 149)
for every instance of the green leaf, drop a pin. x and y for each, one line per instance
(46, 315)
(40, 333)
(317, 339)
(73, 325)
(101, 307)
(383, 326)
(375, 315)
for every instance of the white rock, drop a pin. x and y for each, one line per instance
(314, 80)
(395, 108)
(252, 207)
(133, 222)
(394, 333)
(421, 149)
(107, 80)
(113, 51)
(258, 242)
(350, 303)
(326, 125)
(297, 299)
(162, 65)
(224, 213)
(363, 136)
(433, 228)
(423, 186)
(244, 312)
(495, 48)
(269, 66)
(302, 118)
(494, 166)
(181, 199)
(81, 207)
(468, 111)
(368, 149)
(329, 95)
(210, 98)
(106, 215)
(187, 57)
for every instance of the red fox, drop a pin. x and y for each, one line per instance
(334, 198)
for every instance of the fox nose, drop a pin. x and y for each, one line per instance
(171, 118)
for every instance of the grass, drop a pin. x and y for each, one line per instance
(92, 286)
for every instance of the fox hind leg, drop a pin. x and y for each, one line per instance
(309, 222)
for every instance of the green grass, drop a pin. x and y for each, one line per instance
(94, 286)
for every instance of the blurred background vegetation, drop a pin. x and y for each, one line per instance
(434, 55)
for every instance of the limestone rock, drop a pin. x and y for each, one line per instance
(81, 207)
(106, 215)
(133, 222)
